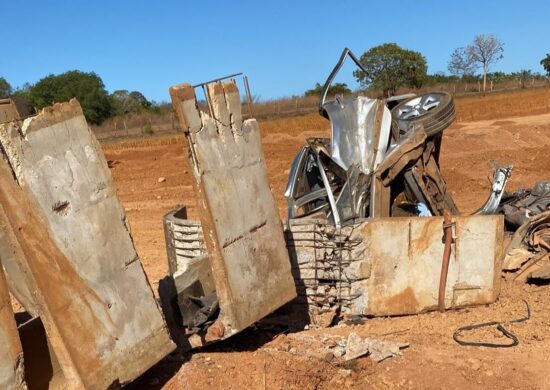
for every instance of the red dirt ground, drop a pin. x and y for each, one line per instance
(256, 359)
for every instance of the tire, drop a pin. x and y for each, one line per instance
(435, 111)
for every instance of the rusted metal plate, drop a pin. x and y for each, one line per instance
(406, 255)
(242, 229)
(11, 354)
(78, 258)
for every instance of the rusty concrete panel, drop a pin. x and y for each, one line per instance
(242, 230)
(10, 252)
(391, 266)
(406, 256)
(386, 266)
(78, 255)
(11, 354)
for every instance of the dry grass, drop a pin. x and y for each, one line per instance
(294, 125)
(503, 104)
(302, 111)
(469, 108)
(291, 126)
(143, 142)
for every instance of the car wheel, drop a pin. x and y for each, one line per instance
(435, 111)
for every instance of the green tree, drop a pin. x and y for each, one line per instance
(523, 76)
(389, 67)
(88, 88)
(545, 62)
(125, 102)
(439, 78)
(499, 77)
(5, 88)
(334, 89)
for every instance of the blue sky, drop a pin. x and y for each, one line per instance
(284, 47)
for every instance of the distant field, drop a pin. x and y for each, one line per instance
(503, 104)
(468, 108)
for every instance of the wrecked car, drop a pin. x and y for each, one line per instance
(382, 159)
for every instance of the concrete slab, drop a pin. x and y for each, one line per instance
(79, 260)
(391, 266)
(406, 256)
(242, 230)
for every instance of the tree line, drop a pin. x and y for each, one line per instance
(389, 67)
(97, 104)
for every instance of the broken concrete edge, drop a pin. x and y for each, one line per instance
(48, 116)
(183, 96)
(185, 105)
(51, 115)
(201, 128)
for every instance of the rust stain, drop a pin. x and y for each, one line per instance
(230, 87)
(403, 303)
(69, 306)
(422, 243)
(215, 332)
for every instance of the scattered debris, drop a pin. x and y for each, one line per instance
(340, 349)
(383, 349)
(355, 347)
(528, 253)
(378, 350)
(520, 206)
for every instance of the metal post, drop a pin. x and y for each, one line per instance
(248, 95)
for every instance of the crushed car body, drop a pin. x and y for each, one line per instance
(378, 162)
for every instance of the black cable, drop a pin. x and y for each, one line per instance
(500, 327)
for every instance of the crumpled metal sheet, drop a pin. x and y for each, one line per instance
(356, 139)
(528, 253)
(518, 207)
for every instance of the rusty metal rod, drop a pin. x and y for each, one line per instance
(218, 79)
(448, 236)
